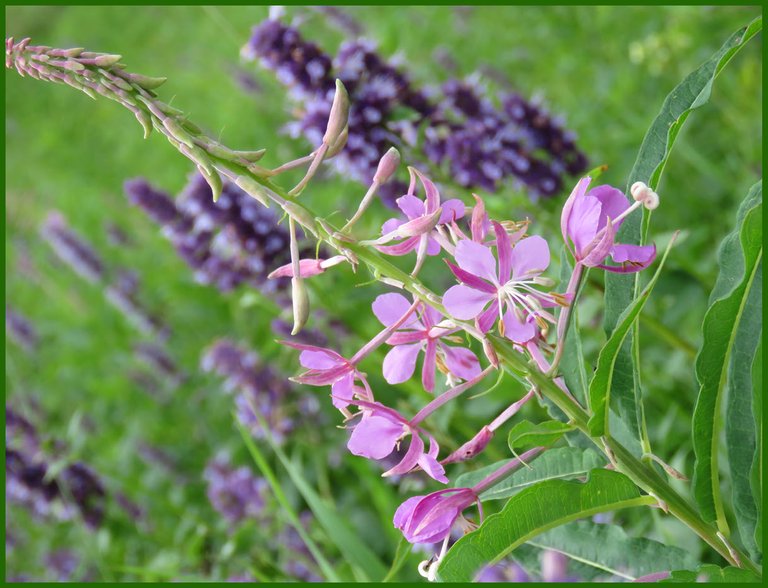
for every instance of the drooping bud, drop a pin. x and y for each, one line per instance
(471, 448)
(339, 115)
(339, 144)
(300, 298)
(490, 353)
(387, 166)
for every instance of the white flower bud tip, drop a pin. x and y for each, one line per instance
(387, 166)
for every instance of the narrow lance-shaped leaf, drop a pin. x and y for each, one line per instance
(692, 93)
(712, 573)
(533, 511)
(600, 387)
(557, 463)
(572, 361)
(756, 470)
(610, 549)
(739, 259)
(526, 434)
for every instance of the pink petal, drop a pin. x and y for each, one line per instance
(411, 206)
(602, 248)
(400, 363)
(517, 331)
(390, 308)
(428, 369)
(530, 257)
(471, 280)
(433, 247)
(576, 194)
(461, 362)
(391, 225)
(405, 510)
(504, 253)
(307, 268)
(374, 437)
(432, 468)
(613, 203)
(452, 209)
(583, 222)
(488, 317)
(432, 199)
(464, 303)
(634, 253)
(431, 317)
(342, 391)
(319, 360)
(476, 259)
(402, 248)
(480, 225)
(406, 337)
(409, 461)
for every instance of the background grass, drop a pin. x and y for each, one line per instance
(605, 69)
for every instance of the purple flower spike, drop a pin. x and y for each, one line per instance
(417, 335)
(428, 519)
(502, 290)
(591, 219)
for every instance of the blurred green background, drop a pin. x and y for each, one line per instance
(606, 70)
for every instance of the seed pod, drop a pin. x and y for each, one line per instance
(253, 188)
(300, 299)
(144, 119)
(214, 181)
(251, 156)
(146, 82)
(301, 215)
(175, 129)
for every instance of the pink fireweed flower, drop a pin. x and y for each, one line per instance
(380, 430)
(326, 367)
(419, 229)
(590, 220)
(428, 519)
(421, 333)
(307, 267)
(505, 291)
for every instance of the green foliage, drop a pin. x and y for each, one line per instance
(532, 511)
(712, 573)
(525, 434)
(732, 330)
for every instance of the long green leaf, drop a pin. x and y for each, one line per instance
(572, 361)
(756, 471)
(526, 434)
(692, 93)
(558, 463)
(353, 550)
(610, 549)
(601, 385)
(720, 360)
(712, 573)
(533, 511)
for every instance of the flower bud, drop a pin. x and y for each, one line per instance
(300, 304)
(471, 448)
(339, 115)
(106, 60)
(339, 144)
(253, 188)
(387, 166)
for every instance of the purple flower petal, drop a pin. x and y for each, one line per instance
(612, 201)
(411, 206)
(503, 252)
(406, 337)
(318, 360)
(530, 257)
(602, 248)
(391, 225)
(464, 303)
(404, 511)
(634, 253)
(432, 468)
(374, 437)
(409, 461)
(461, 362)
(471, 280)
(433, 247)
(389, 308)
(342, 391)
(583, 222)
(517, 331)
(452, 209)
(400, 363)
(476, 259)
(488, 317)
(576, 194)
(428, 369)
(402, 248)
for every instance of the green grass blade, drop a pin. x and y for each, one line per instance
(728, 333)
(325, 567)
(533, 511)
(601, 387)
(712, 573)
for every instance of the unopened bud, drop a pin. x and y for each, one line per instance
(106, 60)
(387, 166)
(339, 115)
(471, 448)
(490, 353)
(146, 82)
(301, 215)
(253, 188)
(300, 304)
(338, 144)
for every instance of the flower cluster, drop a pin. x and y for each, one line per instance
(84, 260)
(502, 289)
(236, 494)
(76, 489)
(481, 145)
(20, 329)
(259, 390)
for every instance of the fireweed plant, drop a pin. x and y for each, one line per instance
(502, 298)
